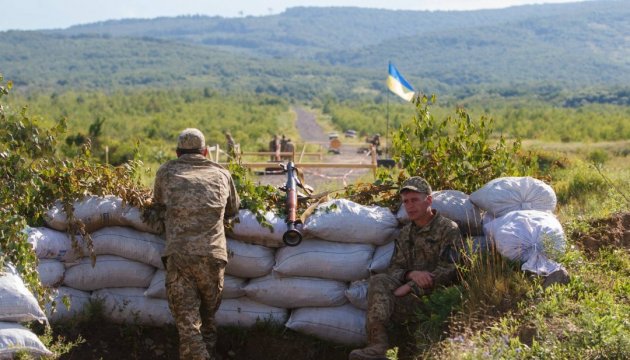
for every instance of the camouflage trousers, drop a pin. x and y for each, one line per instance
(397, 314)
(193, 286)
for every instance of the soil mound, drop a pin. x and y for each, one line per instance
(609, 232)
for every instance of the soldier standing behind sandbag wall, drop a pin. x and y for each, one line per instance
(424, 258)
(197, 193)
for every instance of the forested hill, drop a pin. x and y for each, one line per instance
(336, 50)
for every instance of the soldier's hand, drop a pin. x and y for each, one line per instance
(403, 290)
(424, 279)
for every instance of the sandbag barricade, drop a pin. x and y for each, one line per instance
(318, 287)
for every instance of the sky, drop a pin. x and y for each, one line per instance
(55, 14)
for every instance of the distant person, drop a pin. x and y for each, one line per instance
(274, 147)
(289, 148)
(197, 194)
(231, 144)
(424, 259)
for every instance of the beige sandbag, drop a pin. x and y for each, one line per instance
(67, 304)
(109, 271)
(502, 195)
(129, 243)
(130, 306)
(17, 303)
(325, 259)
(294, 292)
(343, 324)
(248, 260)
(51, 244)
(97, 212)
(15, 338)
(342, 220)
(357, 293)
(248, 229)
(245, 312)
(50, 272)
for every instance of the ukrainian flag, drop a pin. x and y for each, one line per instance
(398, 85)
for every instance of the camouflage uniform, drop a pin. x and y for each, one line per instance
(432, 248)
(197, 194)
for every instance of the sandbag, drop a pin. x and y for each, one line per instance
(325, 259)
(341, 220)
(343, 324)
(244, 312)
(50, 272)
(15, 338)
(248, 260)
(17, 304)
(357, 293)
(502, 195)
(130, 306)
(248, 229)
(51, 244)
(97, 212)
(109, 271)
(232, 286)
(129, 243)
(293, 292)
(454, 205)
(530, 236)
(382, 257)
(57, 311)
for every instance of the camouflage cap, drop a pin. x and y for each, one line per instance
(417, 184)
(191, 139)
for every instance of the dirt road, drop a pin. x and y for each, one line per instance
(323, 179)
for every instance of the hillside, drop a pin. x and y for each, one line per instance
(314, 52)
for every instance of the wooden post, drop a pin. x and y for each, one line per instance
(217, 153)
(302, 154)
(106, 154)
(373, 152)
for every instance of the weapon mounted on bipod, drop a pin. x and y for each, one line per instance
(292, 237)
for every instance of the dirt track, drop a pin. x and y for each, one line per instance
(322, 179)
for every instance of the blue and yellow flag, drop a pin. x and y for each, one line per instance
(398, 85)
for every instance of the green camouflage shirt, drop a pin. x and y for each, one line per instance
(433, 248)
(197, 193)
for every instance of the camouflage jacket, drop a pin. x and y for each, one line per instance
(197, 194)
(433, 248)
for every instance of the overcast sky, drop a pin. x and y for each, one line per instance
(50, 14)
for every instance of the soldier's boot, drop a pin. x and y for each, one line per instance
(377, 345)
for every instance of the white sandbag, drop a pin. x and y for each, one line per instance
(50, 272)
(342, 220)
(15, 338)
(382, 257)
(244, 312)
(17, 304)
(232, 286)
(130, 306)
(343, 324)
(58, 311)
(454, 205)
(248, 260)
(293, 292)
(129, 243)
(51, 244)
(325, 259)
(248, 229)
(502, 195)
(109, 271)
(357, 293)
(97, 212)
(530, 236)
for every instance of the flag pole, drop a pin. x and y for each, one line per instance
(387, 130)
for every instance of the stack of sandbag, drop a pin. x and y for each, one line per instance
(18, 305)
(519, 220)
(306, 286)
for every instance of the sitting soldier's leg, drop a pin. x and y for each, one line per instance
(380, 308)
